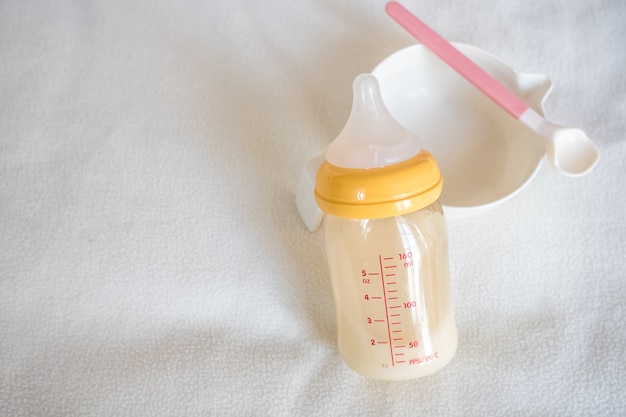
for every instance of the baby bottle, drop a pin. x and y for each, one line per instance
(386, 245)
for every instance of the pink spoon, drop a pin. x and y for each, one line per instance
(569, 150)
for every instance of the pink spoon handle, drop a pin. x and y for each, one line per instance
(461, 64)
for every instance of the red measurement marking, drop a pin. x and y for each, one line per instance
(399, 354)
(387, 259)
(389, 283)
(398, 338)
(376, 298)
(400, 361)
(373, 273)
(392, 298)
(379, 321)
(380, 262)
(396, 322)
(392, 290)
(399, 346)
(395, 306)
(391, 266)
(382, 342)
(395, 315)
(390, 275)
(396, 331)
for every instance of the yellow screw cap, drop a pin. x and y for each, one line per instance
(371, 193)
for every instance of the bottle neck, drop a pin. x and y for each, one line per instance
(379, 192)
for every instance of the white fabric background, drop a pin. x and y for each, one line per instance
(152, 261)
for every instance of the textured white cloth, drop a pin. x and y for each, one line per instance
(152, 261)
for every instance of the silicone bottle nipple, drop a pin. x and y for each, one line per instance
(375, 168)
(371, 138)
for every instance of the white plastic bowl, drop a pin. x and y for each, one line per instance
(485, 156)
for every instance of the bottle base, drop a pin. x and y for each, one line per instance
(414, 368)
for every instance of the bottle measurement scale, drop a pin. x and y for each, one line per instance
(393, 309)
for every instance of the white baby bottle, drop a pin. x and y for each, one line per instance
(386, 245)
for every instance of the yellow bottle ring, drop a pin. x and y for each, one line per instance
(379, 192)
